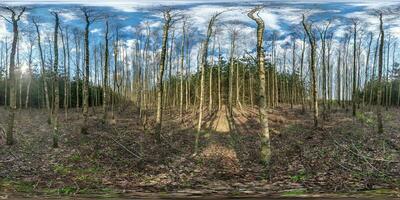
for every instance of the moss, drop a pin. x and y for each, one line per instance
(301, 176)
(61, 169)
(75, 158)
(365, 119)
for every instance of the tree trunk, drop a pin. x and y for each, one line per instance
(338, 75)
(43, 71)
(219, 76)
(265, 139)
(231, 69)
(159, 92)
(210, 105)
(105, 80)
(312, 40)
(366, 69)
(66, 79)
(379, 94)
(181, 71)
(203, 64)
(354, 98)
(84, 129)
(28, 87)
(302, 85)
(10, 129)
(56, 96)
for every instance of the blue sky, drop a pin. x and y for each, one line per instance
(278, 15)
(283, 17)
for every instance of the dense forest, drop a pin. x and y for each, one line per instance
(231, 108)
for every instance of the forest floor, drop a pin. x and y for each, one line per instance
(344, 157)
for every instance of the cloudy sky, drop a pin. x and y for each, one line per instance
(280, 16)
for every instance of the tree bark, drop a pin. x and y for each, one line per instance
(28, 87)
(379, 94)
(181, 71)
(14, 20)
(56, 98)
(265, 138)
(159, 92)
(312, 41)
(84, 129)
(105, 80)
(203, 64)
(43, 71)
(354, 98)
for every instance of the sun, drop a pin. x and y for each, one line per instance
(24, 68)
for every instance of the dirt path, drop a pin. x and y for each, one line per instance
(221, 124)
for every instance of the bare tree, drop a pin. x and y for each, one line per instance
(90, 16)
(105, 79)
(355, 93)
(265, 138)
(323, 32)
(56, 94)
(312, 40)
(167, 24)
(203, 64)
(42, 63)
(181, 69)
(380, 66)
(16, 14)
(28, 87)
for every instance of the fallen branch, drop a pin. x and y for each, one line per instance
(129, 151)
(6, 161)
(363, 156)
(123, 146)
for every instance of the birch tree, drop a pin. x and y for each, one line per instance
(265, 138)
(16, 14)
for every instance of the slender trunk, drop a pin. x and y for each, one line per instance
(28, 87)
(43, 71)
(366, 68)
(219, 76)
(354, 98)
(7, 73)
(203, 65)
(237, 86)
(338, 76)
(265, 139)
(210, 105)
(181, 71)
(10, 129)
(379, 94)
(115, 79)
(293, 78)
(312, 40)
(302, 85)
(56, 98)
(231, 69)
(373, 70)
(86, 78)
(159, 92)
(65, 75)
(105, 79)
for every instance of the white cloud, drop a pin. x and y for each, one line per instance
(96, 30)
(68, 16)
